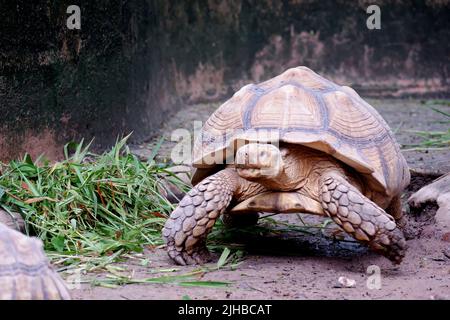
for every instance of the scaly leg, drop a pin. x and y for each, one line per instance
(186, 230)
(361, 217)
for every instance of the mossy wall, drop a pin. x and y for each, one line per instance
(133, 63)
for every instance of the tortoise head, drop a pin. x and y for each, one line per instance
(257, 161)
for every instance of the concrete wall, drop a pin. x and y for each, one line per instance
(135, 62)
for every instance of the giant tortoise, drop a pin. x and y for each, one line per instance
(295, 143)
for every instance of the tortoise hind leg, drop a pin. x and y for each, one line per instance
(187, 227)
(361, 217)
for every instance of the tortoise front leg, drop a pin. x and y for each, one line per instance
(186, 230)
(361, 217)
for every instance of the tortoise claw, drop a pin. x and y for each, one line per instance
(200, 255)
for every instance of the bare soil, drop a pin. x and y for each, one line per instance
(293, 265)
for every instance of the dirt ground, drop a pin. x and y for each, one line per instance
(293, 265)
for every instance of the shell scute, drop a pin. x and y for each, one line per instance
(25, 272)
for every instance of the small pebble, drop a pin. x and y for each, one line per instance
(344, 282)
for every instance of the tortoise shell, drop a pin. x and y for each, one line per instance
(301, 107)
(25, 272)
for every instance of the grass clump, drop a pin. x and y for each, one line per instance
(96, 212)
(89, 205)
(431, 140)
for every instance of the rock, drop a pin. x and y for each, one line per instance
(344, 282)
